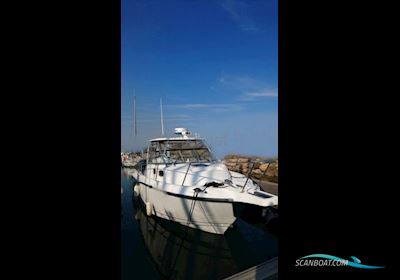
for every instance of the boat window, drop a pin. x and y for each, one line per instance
(155, 153)
(187, 151)
(177, 151)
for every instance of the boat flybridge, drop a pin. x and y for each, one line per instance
(181, 181)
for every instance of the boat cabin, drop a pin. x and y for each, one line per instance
(175, 150)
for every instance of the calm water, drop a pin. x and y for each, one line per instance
(156, 248)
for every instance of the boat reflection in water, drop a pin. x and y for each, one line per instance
(180, 252)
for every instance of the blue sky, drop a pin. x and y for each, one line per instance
(214, 64)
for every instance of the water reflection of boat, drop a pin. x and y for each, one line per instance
(180, 252)
(198, 254)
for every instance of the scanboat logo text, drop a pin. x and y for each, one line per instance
(328, 260)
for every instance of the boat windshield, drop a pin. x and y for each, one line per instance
(178, 151)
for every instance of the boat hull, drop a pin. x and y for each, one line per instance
(210, 215)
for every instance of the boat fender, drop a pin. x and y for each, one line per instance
(149, 208)
(136, 192)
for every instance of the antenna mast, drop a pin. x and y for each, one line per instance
(162, 119)
(134, 113)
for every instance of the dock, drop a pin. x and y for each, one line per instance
(267, 270)
(267, 186)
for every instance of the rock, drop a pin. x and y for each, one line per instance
(270, 173)
(230, 165)
(236, 161)
(256, 173)
(273, 170)
(230, 156)
(264, 166)
(243, 160)
(231, 161)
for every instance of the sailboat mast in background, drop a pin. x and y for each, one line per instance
(162, 119)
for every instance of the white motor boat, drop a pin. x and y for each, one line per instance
(180, 181)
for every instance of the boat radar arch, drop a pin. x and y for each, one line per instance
(183, 131)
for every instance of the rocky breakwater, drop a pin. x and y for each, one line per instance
(261, 168)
